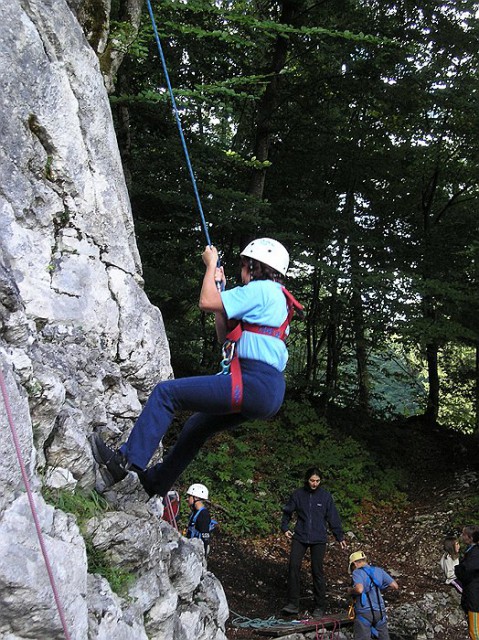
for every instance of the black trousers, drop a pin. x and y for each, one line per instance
(298, 550)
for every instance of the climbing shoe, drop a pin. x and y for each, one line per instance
(290, 609)
(146, 483)
(113, 460)
(318, 613)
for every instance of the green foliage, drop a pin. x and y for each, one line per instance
(370, 180)
(467, 513)
(85, 506)
(82, 505)
(251, 474)
(98, 562)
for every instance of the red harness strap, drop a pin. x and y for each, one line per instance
(235, 334)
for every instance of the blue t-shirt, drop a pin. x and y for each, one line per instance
(381, 578)
(259, 302)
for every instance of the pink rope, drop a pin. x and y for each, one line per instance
(16, 442)
(169, 510)
(334, 631)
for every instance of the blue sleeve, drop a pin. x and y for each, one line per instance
(358, 577)
(259, 302)
(383, 578)
(239, 301)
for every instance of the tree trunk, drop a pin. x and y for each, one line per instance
(432, 409)
(332, 362)
(360, 341)
(429, 305)
(476, 430)
(269, 103)
(111, 56)
(311, 327)
(123, 129)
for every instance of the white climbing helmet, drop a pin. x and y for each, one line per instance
(198, 491)
(269, 252)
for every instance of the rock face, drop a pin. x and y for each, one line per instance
(80, 348)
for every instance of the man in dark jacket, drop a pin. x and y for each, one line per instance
(467, 572)
(315, 511)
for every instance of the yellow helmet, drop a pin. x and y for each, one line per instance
(354, 557)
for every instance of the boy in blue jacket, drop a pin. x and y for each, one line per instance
(370, 611)
(315, 511)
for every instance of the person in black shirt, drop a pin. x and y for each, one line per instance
(315, 510)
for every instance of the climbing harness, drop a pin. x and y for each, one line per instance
(36, 521)
(172, 507)
(376, 621)
(230, 363)
(192, 530)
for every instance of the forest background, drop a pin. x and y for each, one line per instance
(349, 131)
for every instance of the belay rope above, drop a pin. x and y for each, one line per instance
(178, 123)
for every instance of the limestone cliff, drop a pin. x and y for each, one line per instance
(80, 349)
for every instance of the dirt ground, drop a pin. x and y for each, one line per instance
(407, 542)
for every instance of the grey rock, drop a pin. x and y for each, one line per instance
(81, 348)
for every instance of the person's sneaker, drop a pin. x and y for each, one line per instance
(146, 483)
(290, 609)
(114, 461)
(318, 613)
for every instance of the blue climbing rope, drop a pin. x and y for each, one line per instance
(243, 622)
(178, 123)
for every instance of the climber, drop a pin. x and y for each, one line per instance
(261, 308)
(370, 620)
(200, 524)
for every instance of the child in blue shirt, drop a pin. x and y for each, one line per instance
(370, 611)
(260, 302)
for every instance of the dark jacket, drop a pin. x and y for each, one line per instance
(315, 511)
(467, 572)
(199, 526)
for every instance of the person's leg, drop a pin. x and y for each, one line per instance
(382, 629)
(362, 630)
(206, 394)
(473, 620)
(319, 584)
(211, 397)
(263, 395)
(160, 478)
(296, 555)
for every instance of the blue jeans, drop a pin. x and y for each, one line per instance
(210, 396)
